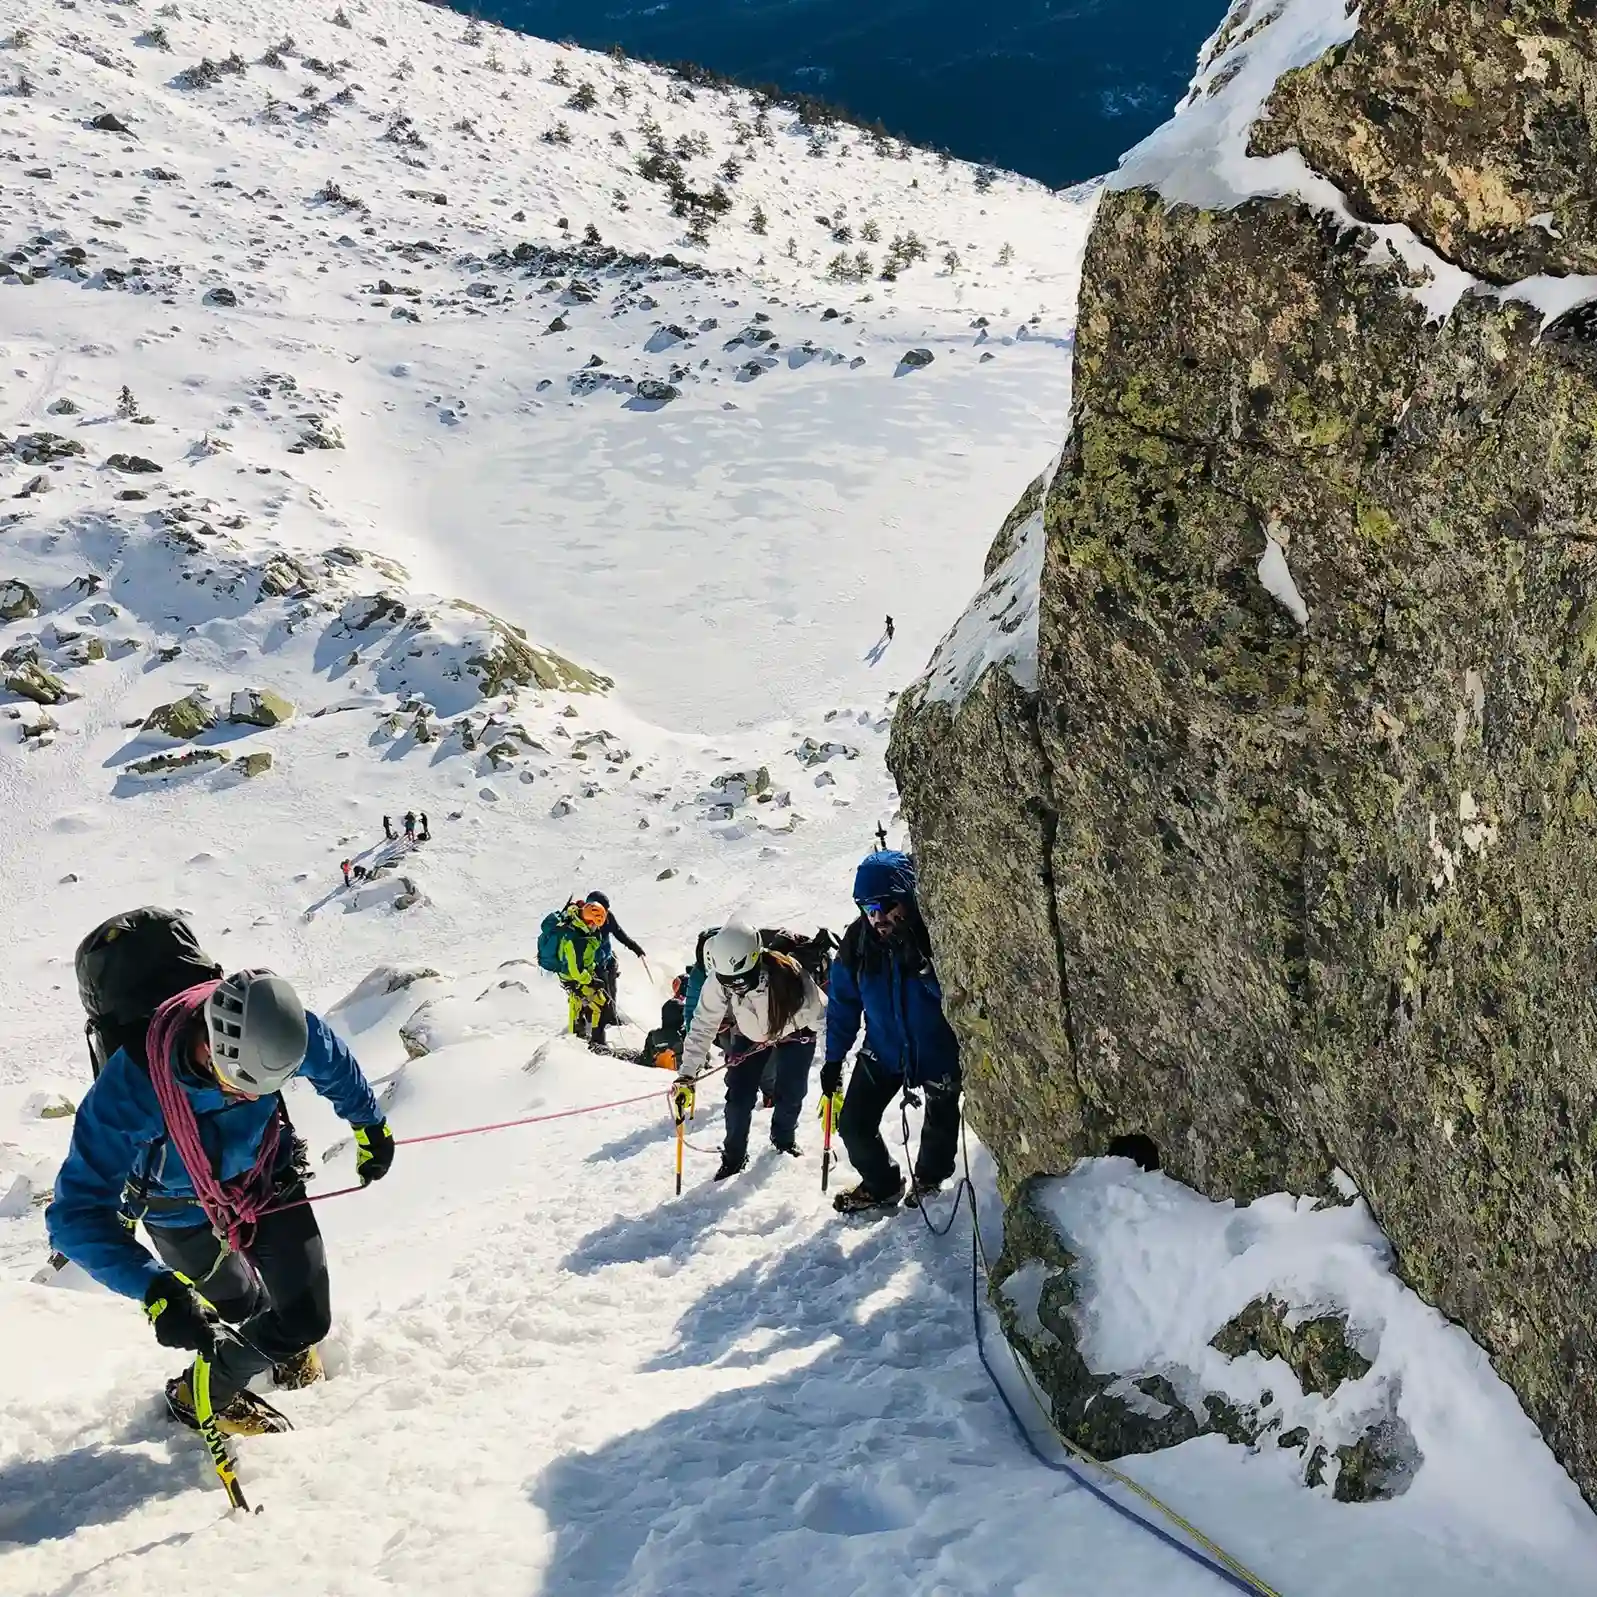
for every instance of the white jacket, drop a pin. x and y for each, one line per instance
(750, 1013)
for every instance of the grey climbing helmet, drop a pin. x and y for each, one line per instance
(258, 1031)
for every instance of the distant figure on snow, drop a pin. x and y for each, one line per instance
(425, 835)
(410, 826)
(889, 629)
(346, 866)
(775, 1007)
(388, 829)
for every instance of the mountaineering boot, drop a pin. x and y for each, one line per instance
(921, 1191)
(861, 1200)
(731, 1167)
(790, 1148)
(243, 1414)
(304, 1369)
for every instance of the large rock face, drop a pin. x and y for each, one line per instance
(1281, 851)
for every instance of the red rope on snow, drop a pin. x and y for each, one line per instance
(477, 1131)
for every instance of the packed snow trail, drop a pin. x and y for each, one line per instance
(546, 1369)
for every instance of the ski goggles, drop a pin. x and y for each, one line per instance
(744, 982)
(878, 908)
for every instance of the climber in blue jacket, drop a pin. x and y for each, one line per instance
(238, 1244)
(882, 974)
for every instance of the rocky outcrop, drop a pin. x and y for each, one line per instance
(259, 707)
(508, 660)
(1363, 1450)
(18, 602)
(184, 718)
(1285, 807)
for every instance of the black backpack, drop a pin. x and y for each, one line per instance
(127, 968)
(813, 954)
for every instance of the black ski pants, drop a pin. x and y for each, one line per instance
(792, 1060)
(870, 1090)
(277, 1294)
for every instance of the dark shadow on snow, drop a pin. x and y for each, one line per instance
(47, 1499)
(685, 1491)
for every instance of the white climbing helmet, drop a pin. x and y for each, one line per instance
(258, 1031)
(734, 953)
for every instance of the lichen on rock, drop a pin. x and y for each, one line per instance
(1285, 898)
(184, 718)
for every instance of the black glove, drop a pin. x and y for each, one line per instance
(832, 1077)
(181, 1317)
(374, 1152)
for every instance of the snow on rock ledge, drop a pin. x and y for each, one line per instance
(1150, 1316)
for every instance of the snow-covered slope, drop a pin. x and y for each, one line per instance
(343, 293)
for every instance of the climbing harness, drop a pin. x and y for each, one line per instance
(1208, 1554)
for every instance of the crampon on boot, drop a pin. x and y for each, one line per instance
(921, 1191)
(731, 1167)
(304, 1369)
(243, 1414)
(861, 1200)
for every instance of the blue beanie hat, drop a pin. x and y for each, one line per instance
(599, 898)
(884, 874)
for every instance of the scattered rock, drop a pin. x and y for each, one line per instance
(130, 463)
(109, 122)
(256, 764)
(666, 874)
(915, 359)
(184, 718)
(40, 449)
(183, 763)
(32, 681)
(658, 392)
(563, 805)
(224, 298)
(48, 1106)
(63, 407)
(320, 433)
(18, 601)
(259, 707)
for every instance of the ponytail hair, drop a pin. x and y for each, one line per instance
(784, 990)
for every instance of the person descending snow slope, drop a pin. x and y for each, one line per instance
(883, 974)
(775, 1007)
(192, 1145)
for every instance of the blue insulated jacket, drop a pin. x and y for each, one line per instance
(119, 1137)
(902, 1008)
(893, 988)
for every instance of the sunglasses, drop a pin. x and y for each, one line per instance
(876, 908)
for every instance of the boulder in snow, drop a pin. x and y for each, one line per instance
(184, 718)
(18, 602)
(259, 707)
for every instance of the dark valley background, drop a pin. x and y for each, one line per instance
(1056, 89)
